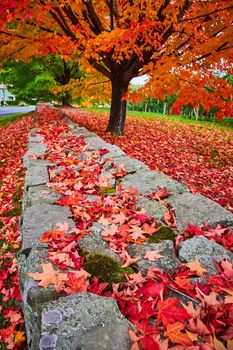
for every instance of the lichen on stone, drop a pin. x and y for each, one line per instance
(106, 269)
(51, 317)
(48, 341)
(164, 233)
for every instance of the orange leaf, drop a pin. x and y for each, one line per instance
(196, 266)
(176, 336)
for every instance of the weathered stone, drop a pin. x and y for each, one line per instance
(95, 143)
(93, 243)
(84, 321)
(206, 251)
(36, 175)
(169, 262)
(41, 194)
(32, 295)
(38, 162)
(153, 208)
(80, 131)
(196, 209)
(37, 149)
(114, 151)
(130, 164)
(147, 181)
(40, 218)
(35, 138)
(110, 337)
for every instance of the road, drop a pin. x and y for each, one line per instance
(15, 109)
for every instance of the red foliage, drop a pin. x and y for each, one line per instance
(13, 144)
(197, 155)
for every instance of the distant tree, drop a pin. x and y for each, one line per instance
(46, 78)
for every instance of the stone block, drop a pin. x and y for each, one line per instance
(131, 165)
(40, 218)
(195, 209)
(206, 250)
(152, 207)
(95, 143)
(168, 263)
(147, 181)
(41, 194)
(83, 321)
(93, 243)
(36, 175)
(114, 151)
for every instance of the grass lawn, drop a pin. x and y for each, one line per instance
(7, 119)
(225, 124)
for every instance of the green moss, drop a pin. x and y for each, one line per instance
(107, 190)
(106, 269)
(17, 195)
(13, 212)
(164, 233)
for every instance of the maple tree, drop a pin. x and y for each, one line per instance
(122, 39)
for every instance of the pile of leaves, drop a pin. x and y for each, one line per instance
(151, 301)
(13, 144)
(199, 156)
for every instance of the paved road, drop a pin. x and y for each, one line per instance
(15, 109)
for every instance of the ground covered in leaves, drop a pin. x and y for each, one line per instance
(161, 320)
(13, 144)
(200, 156)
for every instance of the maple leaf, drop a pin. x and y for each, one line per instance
(129, 261)
(170, 218)
(137, 233)
(174, 333)
(196, 267)
(49, 276)
(110, 232)
(153, 255)
(104, 221)
(170, 310)
(63, 226)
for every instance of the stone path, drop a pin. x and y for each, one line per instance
(87, 321)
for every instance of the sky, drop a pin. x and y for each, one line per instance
(140, 80)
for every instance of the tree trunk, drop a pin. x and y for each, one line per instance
(66, 99)
(164, 107)
(116, 122)
(196, 112)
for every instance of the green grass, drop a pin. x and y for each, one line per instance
(224, 124)
(7, 119)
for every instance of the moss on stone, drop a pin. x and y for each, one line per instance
(106, 269)
(164, 233)
(108, 190)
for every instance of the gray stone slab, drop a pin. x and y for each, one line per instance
(168, 263)
(152, 207)
(94, 143)
(206, 250)
(93, 243)
(114, 151)
(147, 181)
(196, 209)
(36, 175)
(34, 149)
(41, 194)
(34, 137)
(130, 164)
(69, 321)
(29, 162)
(80, 131)
(40, 218)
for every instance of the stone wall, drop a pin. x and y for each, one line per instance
(88, 321)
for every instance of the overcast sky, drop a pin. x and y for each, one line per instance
(140, 80)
